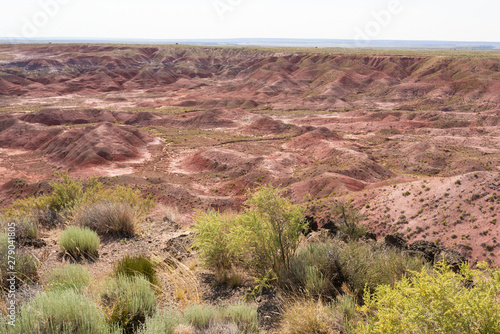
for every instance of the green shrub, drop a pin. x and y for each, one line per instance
(65, 195)
(270, 228)
(243, 315)
(73, 276)
(79, 242)
(96, 192)
(25, 266)
(369, 265)
(162, 322)
(108, 218)
(59, 312)
(207, 317)
(347, 311)
(217, 248)
(263, 238)
(437, 302)
(128, 301)
(200, 316)
(25, 226)
(315, 269)
(134, 266)
(69, 196)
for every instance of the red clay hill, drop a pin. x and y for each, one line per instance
(411, 138)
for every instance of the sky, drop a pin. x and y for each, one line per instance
(442, 20)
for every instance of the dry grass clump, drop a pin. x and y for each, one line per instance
(108, 218)
(310, 317)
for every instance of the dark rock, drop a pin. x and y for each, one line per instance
(37, 243)
(312, 225)
(330, 226)
(393, 240)
(371, 236)
(428, 249)
(453, 258)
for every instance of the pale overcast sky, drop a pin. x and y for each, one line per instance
(451, 20)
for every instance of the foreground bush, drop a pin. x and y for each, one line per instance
(59, 312)
(162, 322)
(73, 276)
(320, 269)
(316, 269)
(208, 317)
(369, 265)
(136, 266)
(25, 227)
(79, 242)
(128, 301)
(311, 317)
(437, 302)
(216, 242)
(263, 238)
(108, 218)
(25, 267)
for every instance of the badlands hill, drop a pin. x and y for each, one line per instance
(412, 139)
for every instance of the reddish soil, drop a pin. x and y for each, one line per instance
(198, 127)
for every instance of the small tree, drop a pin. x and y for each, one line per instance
(263, 238)
(273, 227)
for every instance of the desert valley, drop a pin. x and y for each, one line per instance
(409, 139)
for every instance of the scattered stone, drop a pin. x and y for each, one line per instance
(392, 240)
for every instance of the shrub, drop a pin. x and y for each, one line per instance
(134, 266)
(162, 322)
(369, 265)
(69, 196)
(25, 226)
(65, 195)
(270, 228)
(315, 269)
(71, 276)
(79, 242)
(263, 238)
(107, 218)
(214, 240)
(25, 265)
(209, 317)
(200, 316)
(59, 312)
(243, 315)
(311, 317)
(437, 302)
(128, 301)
